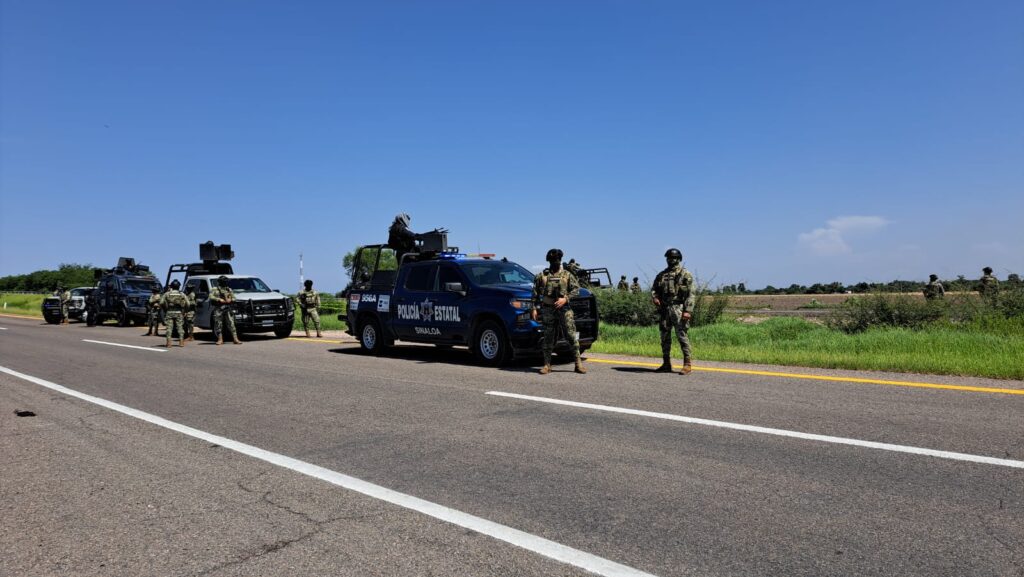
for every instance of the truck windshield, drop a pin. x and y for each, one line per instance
(247, 285)
(487, 273)
(141, 285)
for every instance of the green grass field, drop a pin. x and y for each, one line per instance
(970, 351)
(328, 322)
(19, 304)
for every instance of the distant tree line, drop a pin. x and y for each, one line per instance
(41, 281)
(960, 283)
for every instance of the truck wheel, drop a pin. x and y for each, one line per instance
(282, 331)
(123, 318)
(490, 344)
(370, 337)
(90, 318)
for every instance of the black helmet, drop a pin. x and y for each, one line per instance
(674, 253)
(308, 283)
(987, 270)
(175, 284)
(190, 289)
(222, 279)
(933, 276)
(623, 277)
(154, 289)
(636, 279)
(554, 254)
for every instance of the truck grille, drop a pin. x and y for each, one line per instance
(268, 307)
(581, 308)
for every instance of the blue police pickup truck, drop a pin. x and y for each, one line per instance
(449, 299)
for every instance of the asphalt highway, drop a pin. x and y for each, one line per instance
(307, 457)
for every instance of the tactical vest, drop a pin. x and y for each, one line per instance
(673, 284)
(308, 299)
(176, 301)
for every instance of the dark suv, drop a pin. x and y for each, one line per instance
(122, 293)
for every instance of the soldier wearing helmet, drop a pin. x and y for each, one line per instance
(635, 287)
(623, 284)
(153, 312)
(309, 302)
(190, 312)
(672, 293)
(934, 289)
(552, 290)
(988, 285)
(223, 300)
(174, 303)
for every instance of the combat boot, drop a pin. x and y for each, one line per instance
(687, 368)
(149, 332)
(545, 369)
(666, 365)
(580, 368)
(236, 341)
(319, 335)
(181, 342)
(168, 345)
(220, 339)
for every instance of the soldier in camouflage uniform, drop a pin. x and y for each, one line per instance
(988, 285)
(673, 295)
(223, 298)
(174, 303)
(309, 302)
(934, 289)
(190, 313)
(551, 293)
(65, 302)
(623, 285)
(153, 313)
(635, 287)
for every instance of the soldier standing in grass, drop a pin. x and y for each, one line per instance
(988, 285)
(551, 293)
(153, 312)
(623, 285)
(934, 290)
(174, 303)
(309, 302)
(223, 300)
(190, 312)
(673, 296)
(635, 287)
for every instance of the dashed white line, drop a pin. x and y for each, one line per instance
(152, 350)
(3, 328)
(539, 545)
(778, 432)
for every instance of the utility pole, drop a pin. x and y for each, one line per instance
(302, 279)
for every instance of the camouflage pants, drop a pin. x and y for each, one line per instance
(175, 320)
(672, 317)
(310, 314)
(190, 319)
(222, 315)
(552, 319)
(154, 320)
(63, 312)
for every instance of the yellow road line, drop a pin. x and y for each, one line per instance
(314, 341)
(825, 378)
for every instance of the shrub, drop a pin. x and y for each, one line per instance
(630, 309)
(905, 311)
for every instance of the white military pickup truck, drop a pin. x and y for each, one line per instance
(258, 308)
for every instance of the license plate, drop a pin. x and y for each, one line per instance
(267, 323)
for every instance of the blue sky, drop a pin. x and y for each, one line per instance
(773, 142)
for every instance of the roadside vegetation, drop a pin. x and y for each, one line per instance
(22, 304)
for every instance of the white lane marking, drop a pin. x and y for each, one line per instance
(779, 432)
(3, 328)
(533, 543)
(126, 346)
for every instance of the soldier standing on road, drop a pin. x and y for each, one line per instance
(65, 301)
(174, 303)
(190, 312)
(934, 290)
(988, 285)
(309, 302)
(551, 293)
(673, 295)
(153, 313)
(635, 287)
(223, 300)
(623, 285)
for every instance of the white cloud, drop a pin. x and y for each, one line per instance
(832, 240)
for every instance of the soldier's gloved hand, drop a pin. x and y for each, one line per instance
(561, 302)
(686, 316)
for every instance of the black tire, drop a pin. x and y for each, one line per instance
(370, 336)
(52, 320)
(283, 331)
(490, 345)
(123, 318)
(90, 318)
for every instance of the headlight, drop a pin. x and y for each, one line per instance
(521, 304)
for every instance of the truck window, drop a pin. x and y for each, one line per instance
(447, 274)
(421, 278)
